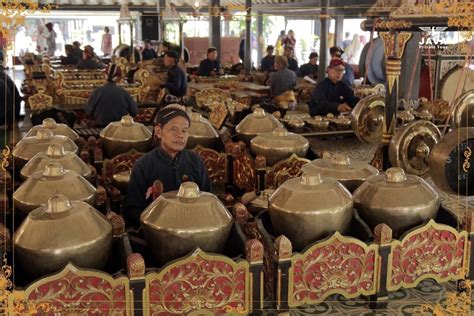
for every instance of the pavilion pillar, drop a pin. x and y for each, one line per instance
(161, 25)
(215, 27)
(248, 37)
(338, 38)
(323, 49)
(259, 37)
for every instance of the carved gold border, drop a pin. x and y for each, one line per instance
(23, 295)
(429, 225)
(190, 258)
(335, 237)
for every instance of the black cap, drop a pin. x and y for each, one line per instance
(313, 54)
(169, 112)
(211, 49)
(270, 47)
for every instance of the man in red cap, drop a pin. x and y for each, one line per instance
(110, 102)
(331, 95)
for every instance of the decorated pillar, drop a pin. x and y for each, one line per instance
(215, 26)
(394, 46)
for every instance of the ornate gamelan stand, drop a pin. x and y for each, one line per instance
(394, 45)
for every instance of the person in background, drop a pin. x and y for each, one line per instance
(209, 66)
(148, 52)
(279, 43)
(290, 39)
(110, 102)
(346, 41)
(348, 78)
(289, 54)
(171, 163)
(50, 39)
(282, 79)
(242, 46)
(70, 58)
(176, 82)
(352, 52)
(106, 45)
(11, 101)
(267, 62)
(311, 68)
(89, 60)
(41, 44)
(163, 48)
(332, 95)
(77, 49)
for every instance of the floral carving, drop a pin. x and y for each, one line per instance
(434, 251)
(120, 163)
(75, 291)
(244, 172)
(145, 115)
(199, 282)
(338, 265)
(284, 170)
(216, 164)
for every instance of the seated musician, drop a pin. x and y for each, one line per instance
(89, 59)
(110, 102)
(148, 52)
(332, 95)
(170, 163)
(176, 82)
(311, 68)
(70, 58)
(210, 66)
(290, 55)
(266, 64)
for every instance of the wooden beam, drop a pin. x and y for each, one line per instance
(248, 37)
(323, 49)
(215, 27)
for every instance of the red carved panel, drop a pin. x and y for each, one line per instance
(199, 283)
(216, 164)
(287, 169)
(145, 115)
(244, 172)
(72, 293)
(432, 253)
(336, 266)
(120, 163)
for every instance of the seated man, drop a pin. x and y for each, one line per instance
(89, 60)
(148, 52)
(266, 64)
(336, 53)
(290, 53)
(282, 79)
(11, 101)
(110, 102)
(176, 83)
(70, 58)
(311, 68)
(332, 95)
(77, 49)
(170, 163)
(209, 66)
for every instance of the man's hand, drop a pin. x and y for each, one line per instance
(344, 107)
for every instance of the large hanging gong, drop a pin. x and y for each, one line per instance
(367, 119)
(452, 163)
(463, 110)
(411, 146)
(455, 82)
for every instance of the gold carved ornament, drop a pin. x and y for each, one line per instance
(13, 13)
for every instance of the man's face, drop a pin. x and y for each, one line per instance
(212, 55)
(288, 52)
(313, 61)
(336, 73)
(169, 61)
(147, 45)
(270, 52)
(173, 135)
